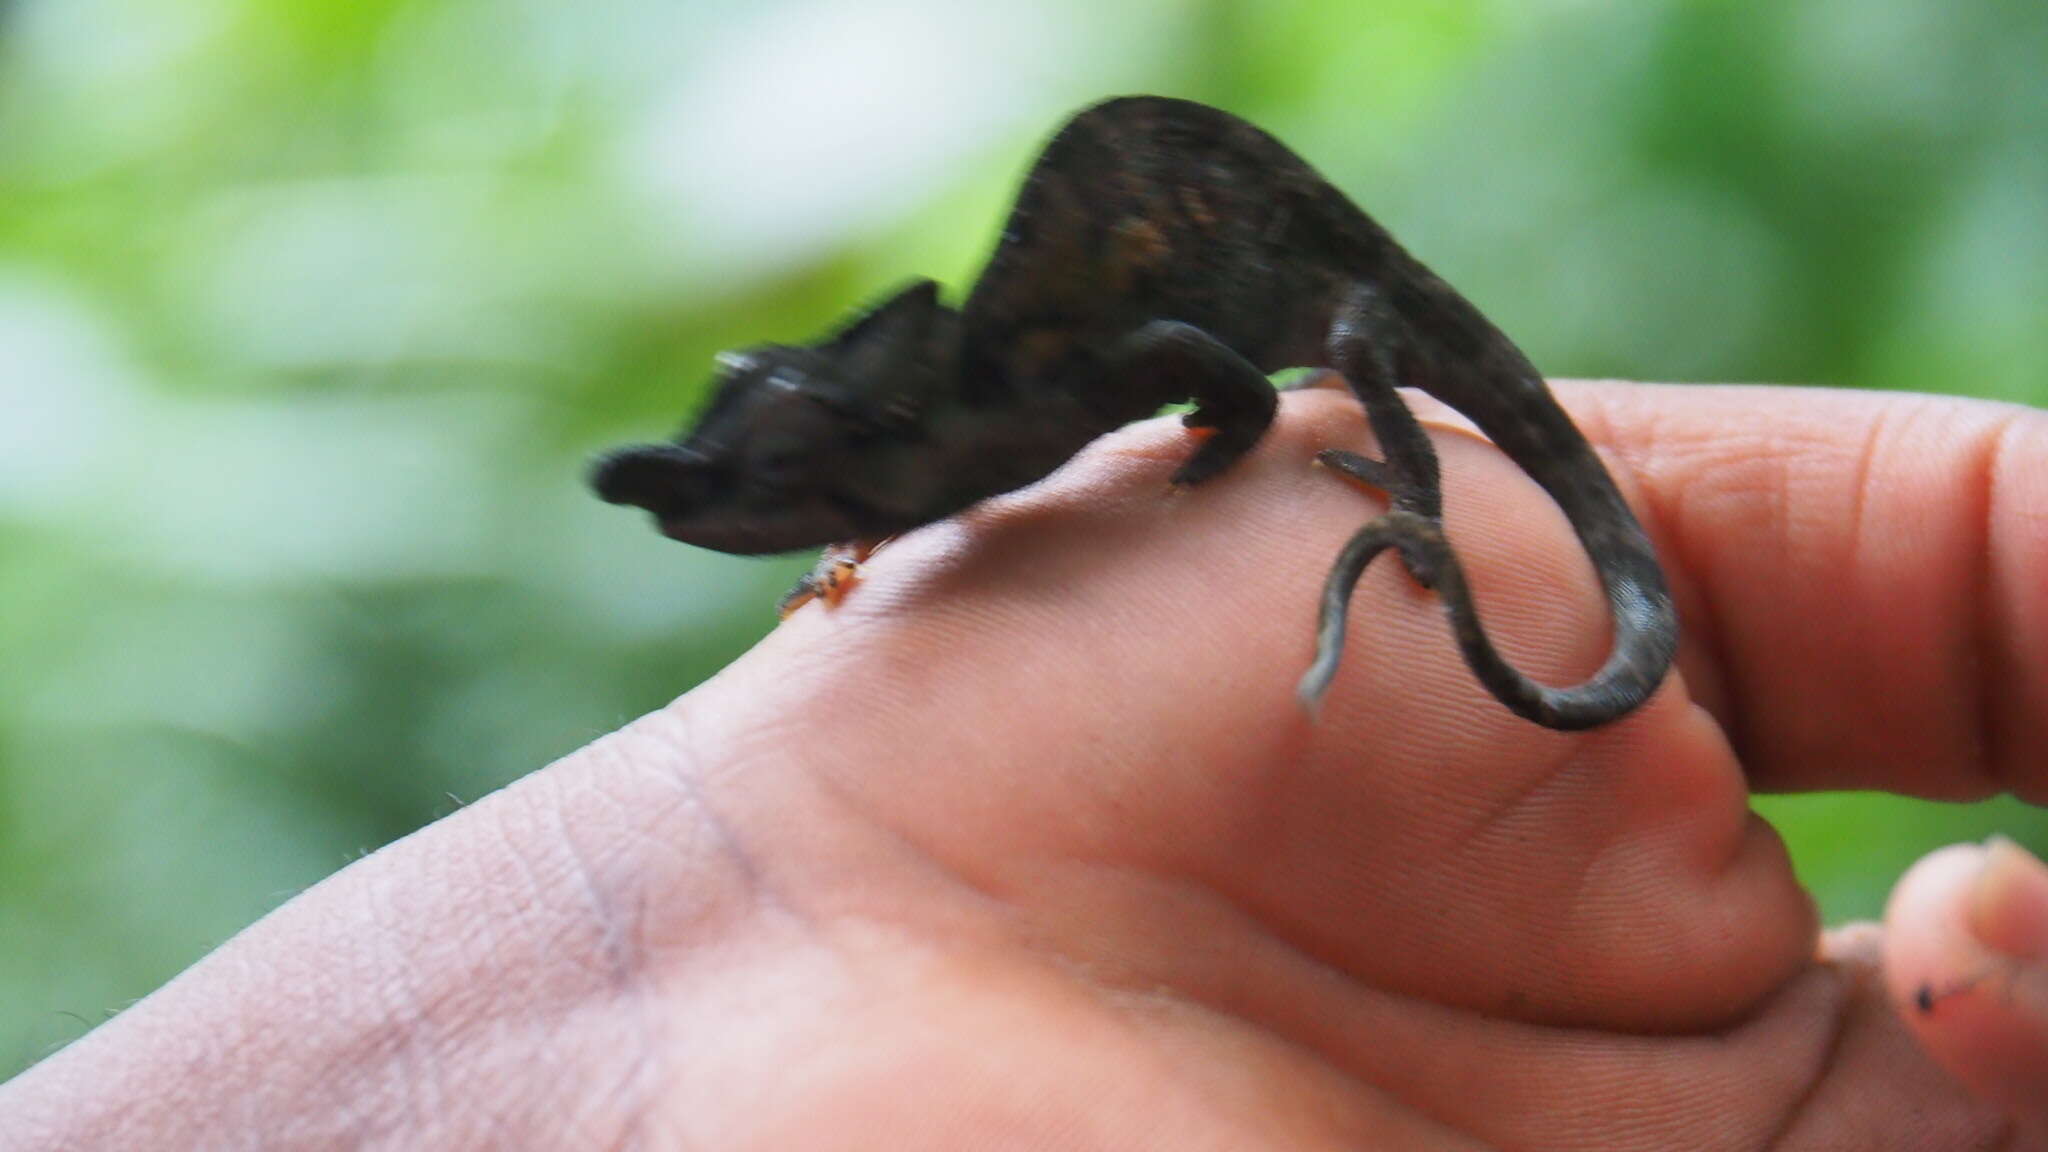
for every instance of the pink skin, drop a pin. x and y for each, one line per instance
(1027, 844)
(1967, 947)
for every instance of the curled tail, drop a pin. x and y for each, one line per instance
(1421, 332)
(1645, 627)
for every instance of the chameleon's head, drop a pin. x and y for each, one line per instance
(777, 461)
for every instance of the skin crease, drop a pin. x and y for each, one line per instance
(1026, 845)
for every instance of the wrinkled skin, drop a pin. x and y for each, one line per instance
(1028, 846)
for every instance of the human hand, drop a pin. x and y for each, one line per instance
(1028, 845)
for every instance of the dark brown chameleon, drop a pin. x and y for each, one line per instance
(1160, 251)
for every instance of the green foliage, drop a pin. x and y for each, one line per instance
(310, 313)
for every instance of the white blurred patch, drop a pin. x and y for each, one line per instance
(1886, 65)
(234, 492)
(477, 81)
(96, 43)
(65, 394)
(349, 272)
(1665, 274)
(238, 491)
(116, 74)
(219, 663)
(808, 120)
(1972, 319)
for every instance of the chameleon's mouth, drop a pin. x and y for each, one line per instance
(793, 528)
(694, 500)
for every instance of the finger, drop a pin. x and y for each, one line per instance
(1089, 672)
(1966, 963)
(1877, 1087)
(1862, 577)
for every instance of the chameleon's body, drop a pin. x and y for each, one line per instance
(1159, 251)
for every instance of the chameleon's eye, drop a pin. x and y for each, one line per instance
(777, 467)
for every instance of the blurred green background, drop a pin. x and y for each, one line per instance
(311, 311)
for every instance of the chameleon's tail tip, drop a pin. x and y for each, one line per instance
(1309, 694)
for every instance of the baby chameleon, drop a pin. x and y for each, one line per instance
(1160, 251)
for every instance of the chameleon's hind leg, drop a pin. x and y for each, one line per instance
(830, 579)
(1380, 476)
(1367, 344)
(1367, 472)
(1234, 402)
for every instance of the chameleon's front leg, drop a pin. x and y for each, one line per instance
(830, 579)
(1234, 402)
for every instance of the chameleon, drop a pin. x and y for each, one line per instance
(1159, 251)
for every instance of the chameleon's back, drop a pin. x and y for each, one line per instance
(1147, 208)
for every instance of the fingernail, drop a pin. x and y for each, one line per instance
(2009, 902)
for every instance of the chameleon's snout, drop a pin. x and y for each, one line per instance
(693, 499)
(665, 479)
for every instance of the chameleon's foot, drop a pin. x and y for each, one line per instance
(1377, 475)
(1380, 477)
(1233, 399)
(1217, 447)
(835, 574)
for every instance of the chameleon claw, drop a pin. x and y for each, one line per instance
(835, 574)
(1375, 476)
(837, 580)
(795, 598)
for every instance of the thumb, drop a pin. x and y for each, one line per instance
(1966, 961)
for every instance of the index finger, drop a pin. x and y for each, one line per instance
(1862, 577)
